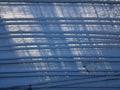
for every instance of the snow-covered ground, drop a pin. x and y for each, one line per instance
(51, 46)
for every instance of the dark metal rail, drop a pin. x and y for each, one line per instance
(59, 23)
(50, 71)
(60, 75)
(59, 36)
(46, 57)
(61, 32)
(60, 18)
(59, 47)
(65, 1)
(62, 43)
(58, 61)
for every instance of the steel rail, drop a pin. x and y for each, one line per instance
(64, 1)
(60, 47)
(59, 23)
(58, 72)
(58, 36)
(60, 32)
(74, 59)
(110, 88)
(66, 39)
(49, 71)
(62, 75)
(62, 43)
(48, 57)
(60, 18)
(59, 61)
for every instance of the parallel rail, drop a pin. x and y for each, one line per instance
(60, 18)
(59, 23)
(65, 1)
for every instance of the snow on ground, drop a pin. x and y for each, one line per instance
(17, 58)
